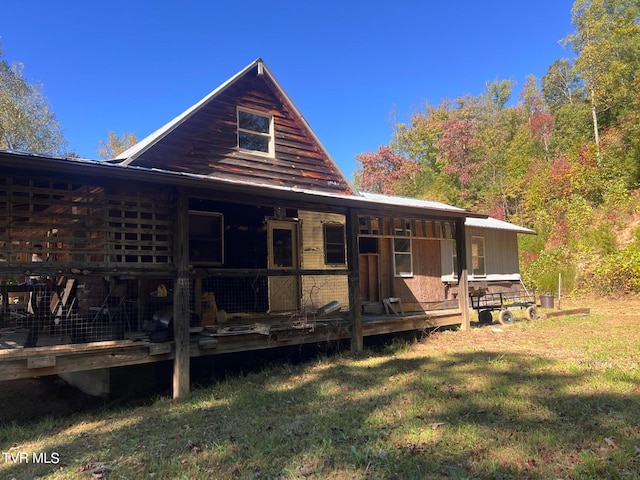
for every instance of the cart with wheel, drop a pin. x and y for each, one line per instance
(486, 303)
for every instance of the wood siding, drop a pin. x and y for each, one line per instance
(425, 286)
(318, 290)
(206, 143)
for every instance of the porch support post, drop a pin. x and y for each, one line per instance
(355, 304)
(181, 367)
(463, 276)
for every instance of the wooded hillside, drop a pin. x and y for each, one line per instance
(563, 157)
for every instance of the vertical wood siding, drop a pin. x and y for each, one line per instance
(425, 285)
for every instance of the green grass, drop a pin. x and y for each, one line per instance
(557, 398)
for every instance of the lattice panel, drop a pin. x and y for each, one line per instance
(82, 226)
(140, 227)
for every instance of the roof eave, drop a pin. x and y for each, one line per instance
(129, 155)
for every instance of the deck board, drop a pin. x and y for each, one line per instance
(19, 362)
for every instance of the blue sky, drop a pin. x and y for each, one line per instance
(131, 66)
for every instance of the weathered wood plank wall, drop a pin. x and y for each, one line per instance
(207, 143)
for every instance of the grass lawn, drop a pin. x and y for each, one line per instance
(548, 399)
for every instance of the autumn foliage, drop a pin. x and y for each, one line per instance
(385, 171)
(564, 159)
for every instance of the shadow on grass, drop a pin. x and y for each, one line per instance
(485, 414)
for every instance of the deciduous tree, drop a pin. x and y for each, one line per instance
(384, 171)
(27, 122)
(561, 85)
(607, 45)
(115, 145)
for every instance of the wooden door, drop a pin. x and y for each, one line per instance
(369, 277)
(284, 254)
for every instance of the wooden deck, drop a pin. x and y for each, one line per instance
(18, 362)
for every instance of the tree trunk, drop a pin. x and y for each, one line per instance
(596, 134)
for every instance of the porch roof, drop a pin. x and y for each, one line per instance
(495, 224)
(369, 204)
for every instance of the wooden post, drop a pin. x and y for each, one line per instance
(355, 304)
(463, 276)
(181, 366)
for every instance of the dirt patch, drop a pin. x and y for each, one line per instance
(32, 399)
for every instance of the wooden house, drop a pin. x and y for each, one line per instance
(228, 229)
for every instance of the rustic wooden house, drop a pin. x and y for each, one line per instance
(229, 229)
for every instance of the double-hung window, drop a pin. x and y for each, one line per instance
(477, 257)
(402, 258)
(334, 244)
(255, 132)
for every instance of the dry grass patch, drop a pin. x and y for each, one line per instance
(557, 398)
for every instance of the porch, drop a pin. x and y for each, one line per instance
(56, 354)
(92, 275)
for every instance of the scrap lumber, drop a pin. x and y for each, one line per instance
(566, 313)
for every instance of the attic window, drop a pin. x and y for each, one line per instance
(255, 132)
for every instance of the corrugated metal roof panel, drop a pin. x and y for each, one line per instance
(408, 202)
(495, 224)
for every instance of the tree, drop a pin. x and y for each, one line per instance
(115, 145)
(27, 122)
(607, 44)
(561, 85)
(386, 172)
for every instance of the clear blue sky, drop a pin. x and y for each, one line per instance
(131, 66)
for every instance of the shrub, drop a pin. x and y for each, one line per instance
(613, 274)
(543, 271)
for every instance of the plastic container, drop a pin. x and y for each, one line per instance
(546, 300)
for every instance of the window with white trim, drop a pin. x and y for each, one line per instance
(255, 132)
(402, 257)
(478, 267)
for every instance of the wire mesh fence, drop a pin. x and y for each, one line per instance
(93, 308)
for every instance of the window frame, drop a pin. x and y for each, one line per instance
(270, 136)
(475, 257)
(343, 244)
(454, 258)
(408, 253)
(205, 262)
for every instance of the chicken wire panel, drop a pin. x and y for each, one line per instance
(236, 293)
(321, 290)
(93, 308)
(89, 309)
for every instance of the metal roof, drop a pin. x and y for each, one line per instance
(495, 224)
(409, 202)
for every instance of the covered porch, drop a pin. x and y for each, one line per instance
(104, 266)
